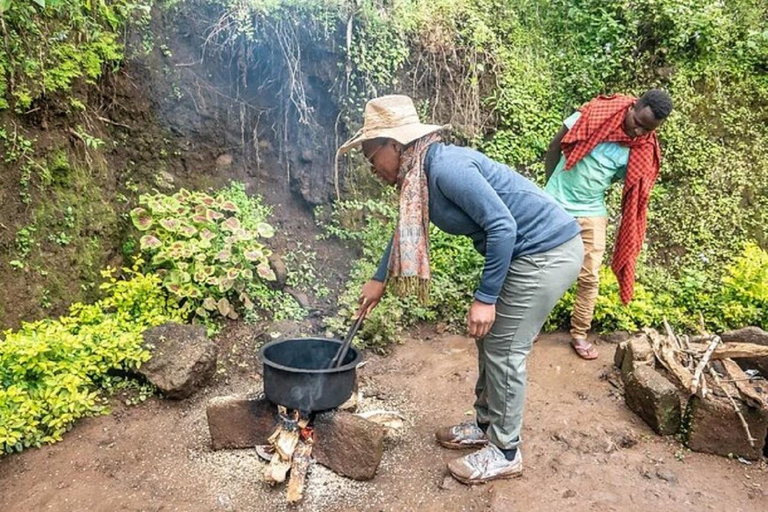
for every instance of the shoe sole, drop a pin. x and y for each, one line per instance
(467, 481)
(461, 446)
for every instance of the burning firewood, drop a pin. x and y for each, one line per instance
(284, 440)
(300, 465)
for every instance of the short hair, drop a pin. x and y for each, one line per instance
(659, 101)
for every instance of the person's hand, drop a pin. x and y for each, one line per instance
(480, 318)
(370, 295)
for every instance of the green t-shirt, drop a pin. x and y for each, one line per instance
(581, 190)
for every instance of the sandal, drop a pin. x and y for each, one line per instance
(584, 349)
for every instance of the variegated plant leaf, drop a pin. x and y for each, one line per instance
(231, 224)
(265, 230)
(229, 206)
(253, 254)
(224, 306)
(141, 219)
(149, 242)
(266, 272)
(209, 303)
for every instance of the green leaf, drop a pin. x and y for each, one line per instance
(231, 224)
(265, 230)
(224, 306)
(254, 255)
(187, 230)
(148, 242)
(229, 206)
(266, 272)
(141, 218)
(171, 225)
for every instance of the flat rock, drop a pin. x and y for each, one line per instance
(183, 358)
(240, 421)
(615, 337)
(348, 444)
(637, 351)
(278, 267)
(653, 398)
(300, 297)
(746, 335)
(715, 428)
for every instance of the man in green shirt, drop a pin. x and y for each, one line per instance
(580, 189)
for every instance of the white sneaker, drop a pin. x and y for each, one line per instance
(486, 465)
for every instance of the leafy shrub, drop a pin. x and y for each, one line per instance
(743, 297)
(738, 299)
(206, 249)
(455, 265)
(81, 38)
(52, 370)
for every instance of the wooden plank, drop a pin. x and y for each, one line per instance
(299, 467)
(733, 350)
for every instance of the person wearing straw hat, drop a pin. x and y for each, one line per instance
(533, 253)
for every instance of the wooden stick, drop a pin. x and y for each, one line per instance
(744, 423)
(733, 350)
(741, 381)
(666, 356)
(671, 333)
(299, 467)
(702, 325)
(278, 467)
(697, 375)
(686, 349)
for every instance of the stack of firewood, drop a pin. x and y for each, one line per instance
(291, 447)
(703, 362)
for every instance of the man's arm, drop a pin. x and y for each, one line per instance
(553, 152)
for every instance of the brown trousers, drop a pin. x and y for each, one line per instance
(593, 236)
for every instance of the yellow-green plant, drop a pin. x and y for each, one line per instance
(51, 371)
(206, 249)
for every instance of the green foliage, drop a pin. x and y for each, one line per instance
(82, 39)
(207, 249)
(738, 298)
(52, 370)
(301, 263)
(743, 297)
(455, 266)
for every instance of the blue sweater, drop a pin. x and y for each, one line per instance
(504, 214)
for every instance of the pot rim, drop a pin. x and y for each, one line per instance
(267, 362)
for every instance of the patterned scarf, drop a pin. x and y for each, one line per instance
(409, 259)
(601, 120)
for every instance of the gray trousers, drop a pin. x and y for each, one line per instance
(533, 285)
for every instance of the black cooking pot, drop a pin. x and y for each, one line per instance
(296, 373)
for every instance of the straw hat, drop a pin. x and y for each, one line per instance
(393, 117)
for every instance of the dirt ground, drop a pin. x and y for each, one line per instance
(583, 449)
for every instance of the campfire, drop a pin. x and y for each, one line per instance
(290, 447)
(349, 443)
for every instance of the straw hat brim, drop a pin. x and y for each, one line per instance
(403, 134)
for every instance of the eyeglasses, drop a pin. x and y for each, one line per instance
(372, 155)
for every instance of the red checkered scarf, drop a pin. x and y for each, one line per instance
(408, 267)
(601, 121)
